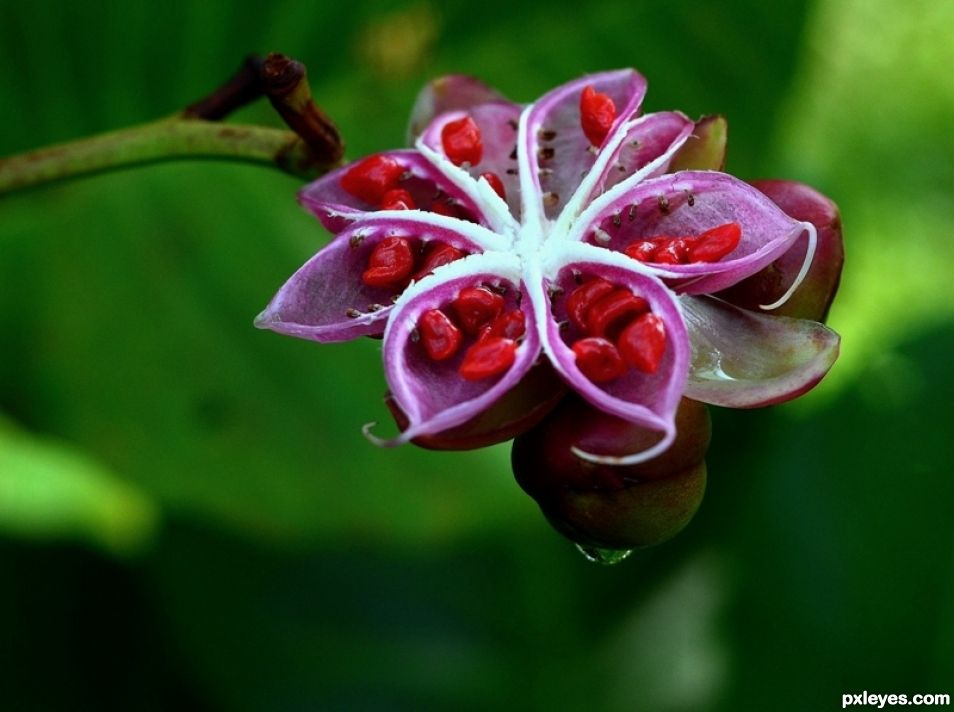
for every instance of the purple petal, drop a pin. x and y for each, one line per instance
(649, 400)
(646, 139)
(326, 299)
(555, 148)
(742, 359)
(336, 208)
(642, 149)
(448, 93)
(498, 129)
(432, 394)
(688, 204)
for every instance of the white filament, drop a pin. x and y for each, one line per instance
(634, 459)
(800, 277)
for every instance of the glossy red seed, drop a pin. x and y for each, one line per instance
(461, 141)
(488, 357)
(437, 255)
(440, 337)
(476, 306)
(495, 183)
(390, 263)
(397, 199)
(371, 178)
(598, 359)
(642, 250)
(643, 343)
(673, 252)
(612, 310)
(510, 325)
(597, 114)
(582, 298)
(714, 244)
(442, 207)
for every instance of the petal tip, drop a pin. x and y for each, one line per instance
(371, 437)
(264, 320)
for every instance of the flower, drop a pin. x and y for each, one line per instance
(558, 231)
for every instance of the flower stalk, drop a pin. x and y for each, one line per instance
(308, 150)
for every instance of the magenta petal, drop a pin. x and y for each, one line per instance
(326, 300)
(642, 149)
(650, 400)
(498, 129)
(647, 139)
(432, 393)
(690, 203)
(448, 93)
(742, 359)
(336, 208)
(559, 154)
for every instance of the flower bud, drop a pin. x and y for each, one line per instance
(813, 297)
(609, 506)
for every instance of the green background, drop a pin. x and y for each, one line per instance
(191, 519)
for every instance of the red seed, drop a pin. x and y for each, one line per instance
(714, 244)
(642, 250)
(390, 263)
(618, 306)
(643, 343)
(438, 254)
(371, 178)
(397, 199)
(476, 306)
(673, 252)
(461, 141)
(597, 114)
(495, 183)
(511, 325)
(440, 337)
(442, 207)
(598, 359)
(582, 298)
(488, 357)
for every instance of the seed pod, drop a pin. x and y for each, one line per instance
(606, 506)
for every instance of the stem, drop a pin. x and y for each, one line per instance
(166, 139)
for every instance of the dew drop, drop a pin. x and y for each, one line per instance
(606, 557)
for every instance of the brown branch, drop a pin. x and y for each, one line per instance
(285, 83)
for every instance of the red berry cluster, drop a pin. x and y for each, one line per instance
(710, 246)
(376, 180)
(476, 312)
(621, 331)
(395, 261)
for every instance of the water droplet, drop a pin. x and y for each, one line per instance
(607, 557)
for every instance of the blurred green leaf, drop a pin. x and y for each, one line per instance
(868, 123)
(49, 491)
